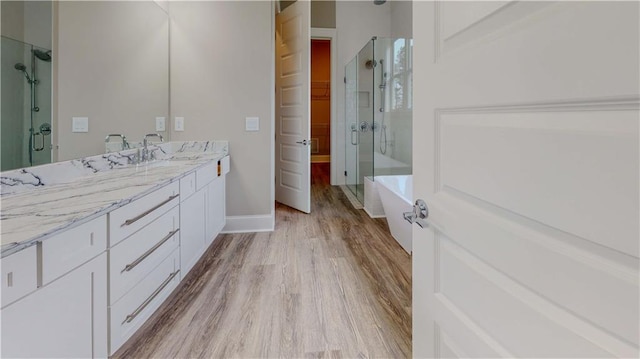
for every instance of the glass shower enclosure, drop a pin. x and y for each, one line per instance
(378, 112)
(25, 122)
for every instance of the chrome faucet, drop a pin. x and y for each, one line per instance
(125, 144)
(146, 156)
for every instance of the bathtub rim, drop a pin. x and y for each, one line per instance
(394, 189)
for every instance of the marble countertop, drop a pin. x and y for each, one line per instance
(40, 202)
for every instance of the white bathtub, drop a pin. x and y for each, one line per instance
(396, 196)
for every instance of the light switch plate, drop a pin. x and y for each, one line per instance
(80, 124)
(252, 124)
(160, 126)
(179, 124)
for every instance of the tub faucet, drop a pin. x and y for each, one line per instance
(145, 150)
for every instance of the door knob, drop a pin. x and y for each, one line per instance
(303, 142)
(419, 214)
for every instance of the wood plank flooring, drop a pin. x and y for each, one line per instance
(330, 284)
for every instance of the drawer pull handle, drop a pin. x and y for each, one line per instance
(144, 304)
(138, 217)
(133, 264)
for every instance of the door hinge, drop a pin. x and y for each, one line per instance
(345, 79)
(345, 173)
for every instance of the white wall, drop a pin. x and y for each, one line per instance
(401, 18)
(112, 66)
(222, 65)
(37, 23)
(323, 13)
(12, 19)
(356, 23)
(28, 21)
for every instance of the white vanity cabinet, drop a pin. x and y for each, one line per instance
(85, 291)
(202, 216)
(215, 207)
(19, 275)
(66, 316)
(215, 213)
(132, 259)
(130, 218)
(144, 265)
(192, 243)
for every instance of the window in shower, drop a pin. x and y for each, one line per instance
(402, 75)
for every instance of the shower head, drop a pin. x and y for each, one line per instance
(21, 67)
(379, 2)
(42, 55)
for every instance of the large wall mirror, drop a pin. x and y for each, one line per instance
(103, 61)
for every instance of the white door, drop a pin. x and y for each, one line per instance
(526, 152)
(292, 106)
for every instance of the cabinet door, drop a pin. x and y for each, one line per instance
(64, 319)
(192, 230)
(216, 216)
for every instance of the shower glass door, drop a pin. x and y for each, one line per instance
(25, 122)
(366, 65)
(360, 109)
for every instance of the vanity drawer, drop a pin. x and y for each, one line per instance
(128, 219)
(70, 249)
(206, 174)
(19, 275)
(130, 312)
(132, 259)
(187, 186)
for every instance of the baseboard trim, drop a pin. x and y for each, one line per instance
(374, 215)
(249, 224)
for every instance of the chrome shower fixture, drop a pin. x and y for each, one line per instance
(379, 2)
(21, 67)
(383, 76)
(370, 64)
(42, 55)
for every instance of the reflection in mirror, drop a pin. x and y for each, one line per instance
(107, 61)
(26, 84)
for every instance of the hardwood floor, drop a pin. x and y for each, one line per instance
(330, 284)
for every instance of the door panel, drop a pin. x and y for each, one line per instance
(526, 151)
(556, 145)
(292, 106)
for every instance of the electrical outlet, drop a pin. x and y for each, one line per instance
(252, 124)
(179, 124)
(160, 125)
(80, 124)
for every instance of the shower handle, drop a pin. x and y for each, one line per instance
(364, 126)
(34, 141)
(354, 131)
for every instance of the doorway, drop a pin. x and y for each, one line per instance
(320, 106)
